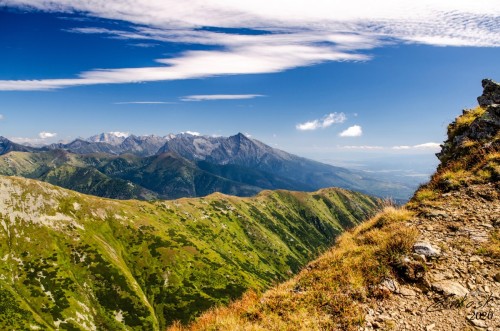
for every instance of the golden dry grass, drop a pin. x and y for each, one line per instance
(326, 294)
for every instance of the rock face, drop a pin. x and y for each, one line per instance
(491, 94)
(474, 133)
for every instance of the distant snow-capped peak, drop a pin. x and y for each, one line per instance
(113, 138)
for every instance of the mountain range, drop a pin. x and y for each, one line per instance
(123, 166)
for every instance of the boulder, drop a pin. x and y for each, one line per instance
(449, 288)
(426, 249)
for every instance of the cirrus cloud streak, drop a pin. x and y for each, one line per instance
(211, 97)
(292, 34)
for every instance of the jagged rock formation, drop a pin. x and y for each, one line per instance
(434, 265)
(491, 94)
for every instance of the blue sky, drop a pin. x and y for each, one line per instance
(323, 79)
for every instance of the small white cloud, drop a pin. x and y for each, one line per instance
(211, 97)
(325, 122)
(119, 134)
(193, 133)
(311, 125)
(352, 131)
(1, 117)
(145, 103)
(45, 135)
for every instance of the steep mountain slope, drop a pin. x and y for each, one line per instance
(246, 152)
(75, 262)
(71, 171)
(7, 146)
(434, 265)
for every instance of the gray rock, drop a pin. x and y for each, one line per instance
(390, 284)
(426, 249)
(479, 323)
(449, 287)
(407, 292)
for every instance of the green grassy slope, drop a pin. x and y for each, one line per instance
(85, 263)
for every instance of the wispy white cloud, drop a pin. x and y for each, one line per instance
(145, 103)
(211, 97)
(144, 45)
(40, 140)
(27, 141)
(46, 135)
(352, 131)
(363, 147)
(1, 117)
(428, 146)
(322, 123)
(297, 33)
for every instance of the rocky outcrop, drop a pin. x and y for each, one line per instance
(491, 94)
(459, 233)
(473, 142)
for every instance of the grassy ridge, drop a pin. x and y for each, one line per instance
(329, 292)
(325, 295)
(81, 262)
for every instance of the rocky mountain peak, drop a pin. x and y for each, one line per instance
(476, 131)
(491, 94)
(112, 138)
